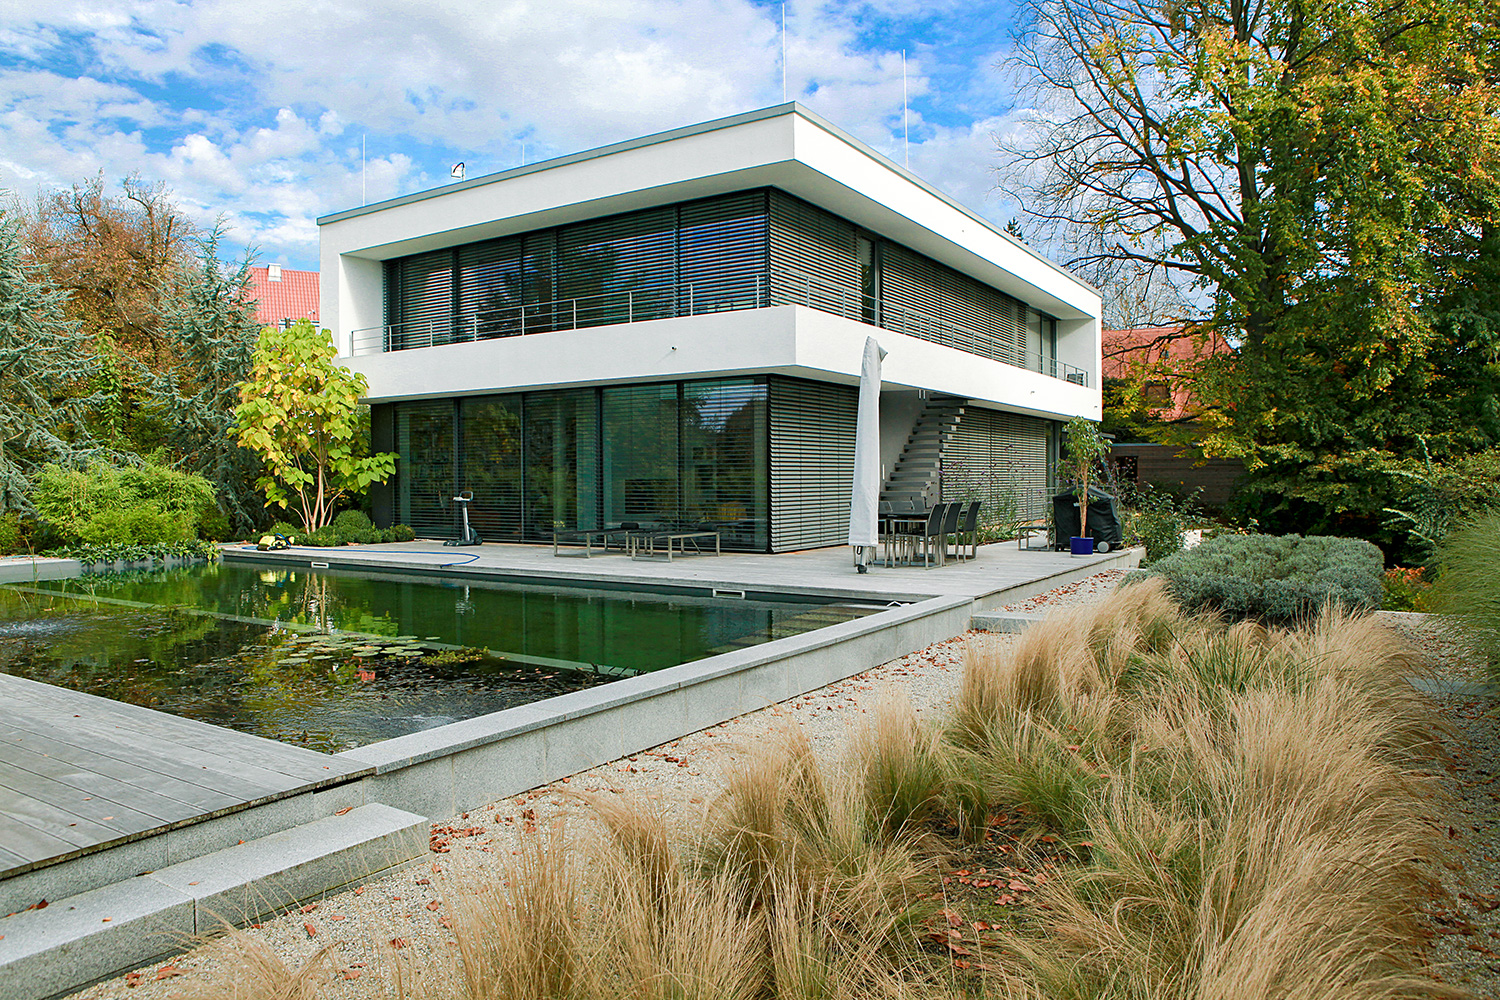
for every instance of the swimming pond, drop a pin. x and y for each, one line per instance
(336, 659)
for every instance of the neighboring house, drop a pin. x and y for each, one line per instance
(283, 296)
(1164, 358)
(670, 329)
(1163, 355)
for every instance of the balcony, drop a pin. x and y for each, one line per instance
(700, 298)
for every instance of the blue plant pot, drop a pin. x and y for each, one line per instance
(1082, 546)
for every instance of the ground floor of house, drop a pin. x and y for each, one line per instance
(766, 461)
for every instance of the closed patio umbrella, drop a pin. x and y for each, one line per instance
(864, 506)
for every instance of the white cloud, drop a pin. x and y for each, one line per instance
(255, 111)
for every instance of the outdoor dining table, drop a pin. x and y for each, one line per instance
(892, 523)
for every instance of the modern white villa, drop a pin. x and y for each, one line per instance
(671, 329)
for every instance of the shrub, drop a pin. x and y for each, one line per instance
(1468, 585)
(401, 533)
(214, 525)
(353, 526)
(1157, 518)
(1278, 579)
(324, 537)
(286, 528)
(133, 505)
(12, 535)
(1405, 588)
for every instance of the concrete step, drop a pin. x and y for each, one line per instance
(177, 844)
(1004, 621)
(106, 931)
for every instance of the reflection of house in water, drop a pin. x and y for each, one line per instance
(1163, 359)
(670, 330)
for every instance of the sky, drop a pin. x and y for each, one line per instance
(269, 114)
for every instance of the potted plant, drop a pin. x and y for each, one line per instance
(1084, 448)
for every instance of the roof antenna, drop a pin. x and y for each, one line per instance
(905, 127)
(783, 53)
(364, 197)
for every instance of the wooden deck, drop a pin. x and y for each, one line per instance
(79, 773)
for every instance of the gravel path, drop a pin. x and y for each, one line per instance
(1466, 938)
(403, 918)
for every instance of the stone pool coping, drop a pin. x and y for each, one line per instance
(463, 765)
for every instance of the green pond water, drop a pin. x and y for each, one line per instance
(332, 660)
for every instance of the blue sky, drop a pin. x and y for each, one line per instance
(255, 111)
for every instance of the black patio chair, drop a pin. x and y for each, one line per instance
(969, 528)
(950, 527)
(928, 535)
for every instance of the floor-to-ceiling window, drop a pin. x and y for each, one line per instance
(688, 454)
(561, 462)
(640, 462)
(724, 458)
(491, 464)
(424, 439)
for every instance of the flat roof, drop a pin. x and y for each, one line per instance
(790, 108)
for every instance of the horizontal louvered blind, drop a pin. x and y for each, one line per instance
(722, 253)
(812, 462)
(613, 269)
(724, 472)
(970, 316)
(539, 272)
(1000, 459)
(813, 258)
(488, 287)
(640, 477)
(422, 303)
(490, 464)
(425, 473)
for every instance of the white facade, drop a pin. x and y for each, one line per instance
(785, 148)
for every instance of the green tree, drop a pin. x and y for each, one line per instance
(206, 322)
(299, 411)
(1322, 179)
(1084, 452)
(45, 371)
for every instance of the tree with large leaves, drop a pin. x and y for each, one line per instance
(45, 373)
(1321, 181)
(299, 411)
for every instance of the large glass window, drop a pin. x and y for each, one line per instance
(561, 474)
(424, 440)
(690, 454)
(724, 476)
(640, 468)
(491, 463)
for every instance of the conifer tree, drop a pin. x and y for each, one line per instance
(207, 326)
(46, 372)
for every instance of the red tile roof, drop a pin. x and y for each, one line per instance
(294, 297)
(1128, 351)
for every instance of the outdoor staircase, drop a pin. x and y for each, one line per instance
(915, 476)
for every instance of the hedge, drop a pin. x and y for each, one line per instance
(1277, 579)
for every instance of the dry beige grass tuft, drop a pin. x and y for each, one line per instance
(1247, 807)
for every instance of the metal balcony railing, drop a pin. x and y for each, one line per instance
(668, 302)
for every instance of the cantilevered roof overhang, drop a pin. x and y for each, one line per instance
(786, 147)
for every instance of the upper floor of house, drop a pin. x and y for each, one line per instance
(761, 211)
